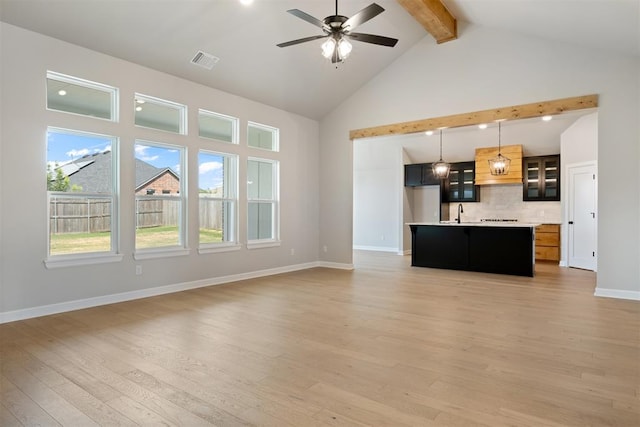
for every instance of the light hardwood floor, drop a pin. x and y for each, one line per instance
(383, 345)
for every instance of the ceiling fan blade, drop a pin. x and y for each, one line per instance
(372, 38)
(298, 41)
(306, 17)
(363, 16)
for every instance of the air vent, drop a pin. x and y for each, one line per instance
(204, 60)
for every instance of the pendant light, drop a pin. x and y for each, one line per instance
(440, 168)
(500, 164)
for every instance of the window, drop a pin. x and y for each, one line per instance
(218, 126)
(261, 136)
(217, 182)
(160, 201)
(262, 196)
(160, 114)
(82, 190)
(77, 96)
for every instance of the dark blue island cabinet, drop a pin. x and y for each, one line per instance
(483, 248)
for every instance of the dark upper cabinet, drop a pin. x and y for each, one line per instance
(460, 186)
(541, 178)
(419, 174)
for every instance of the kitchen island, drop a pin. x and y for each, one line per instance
(505, 248)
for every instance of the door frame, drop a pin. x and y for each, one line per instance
(565, 211)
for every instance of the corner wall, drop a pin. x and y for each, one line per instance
(26, 285)
(465, 75)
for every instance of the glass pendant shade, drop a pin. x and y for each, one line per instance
(499, 165)
(328, 47)
(440, 168)
(338, 50)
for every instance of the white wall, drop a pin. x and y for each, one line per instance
(488, 69)
(26, 284)
(376, 177)
(578, 144)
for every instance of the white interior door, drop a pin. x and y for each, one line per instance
(582, 217)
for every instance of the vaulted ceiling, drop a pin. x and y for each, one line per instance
(165, 35)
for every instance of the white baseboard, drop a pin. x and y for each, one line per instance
(336, 265)
(375, 248)
(45, 310)
(616, 293)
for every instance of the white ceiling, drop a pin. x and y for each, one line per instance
(166, 34)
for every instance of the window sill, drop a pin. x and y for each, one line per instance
(219, 248)
(160, 253)
(259, 244)
(80, 260)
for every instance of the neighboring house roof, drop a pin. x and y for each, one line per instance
(92, 172)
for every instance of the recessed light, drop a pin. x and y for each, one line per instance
(547, 118)
(62, 92)
(482, 125)
(246, 2)
(138, 108)
(429, 133)
(140, 101)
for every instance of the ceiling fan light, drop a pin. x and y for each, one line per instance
(344, 48)
(328, 48)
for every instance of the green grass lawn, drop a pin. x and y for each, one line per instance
(73, 243)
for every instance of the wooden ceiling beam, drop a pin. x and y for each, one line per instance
(514, 112)
(434, 17)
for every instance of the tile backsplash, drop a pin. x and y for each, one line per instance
(505, 202)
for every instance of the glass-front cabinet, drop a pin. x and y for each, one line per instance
(460, 186)
(541, 178)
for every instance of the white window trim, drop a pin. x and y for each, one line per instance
(274, 241)
(222, 247)
(235, 130)
(61, 261)
(86, 258)
(260, 244)
(115, 94)
(216, 247)
(276, 136)
(173, 250)
(182, 109)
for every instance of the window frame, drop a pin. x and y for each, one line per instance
(99, 257)
(275, 202)
(181, 108)
(112, 90)
(230, 179)
(181, 248)
(235, 126)
(275, 132)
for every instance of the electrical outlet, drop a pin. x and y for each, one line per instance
(293, 251)
(324, 248)
(138, 270)
(382, 237)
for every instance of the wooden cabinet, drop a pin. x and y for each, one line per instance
(483, 174)
(419, 174)
(548, 242)
(461, 186)
(541, 179)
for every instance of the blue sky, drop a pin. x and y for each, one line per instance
(63, 147)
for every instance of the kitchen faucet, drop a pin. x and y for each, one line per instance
(460, 210)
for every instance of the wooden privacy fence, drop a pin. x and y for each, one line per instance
(92, 215)
(79, 215)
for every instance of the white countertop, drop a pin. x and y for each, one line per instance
(479, 224)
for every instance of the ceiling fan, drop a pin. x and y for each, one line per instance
(337, 29)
